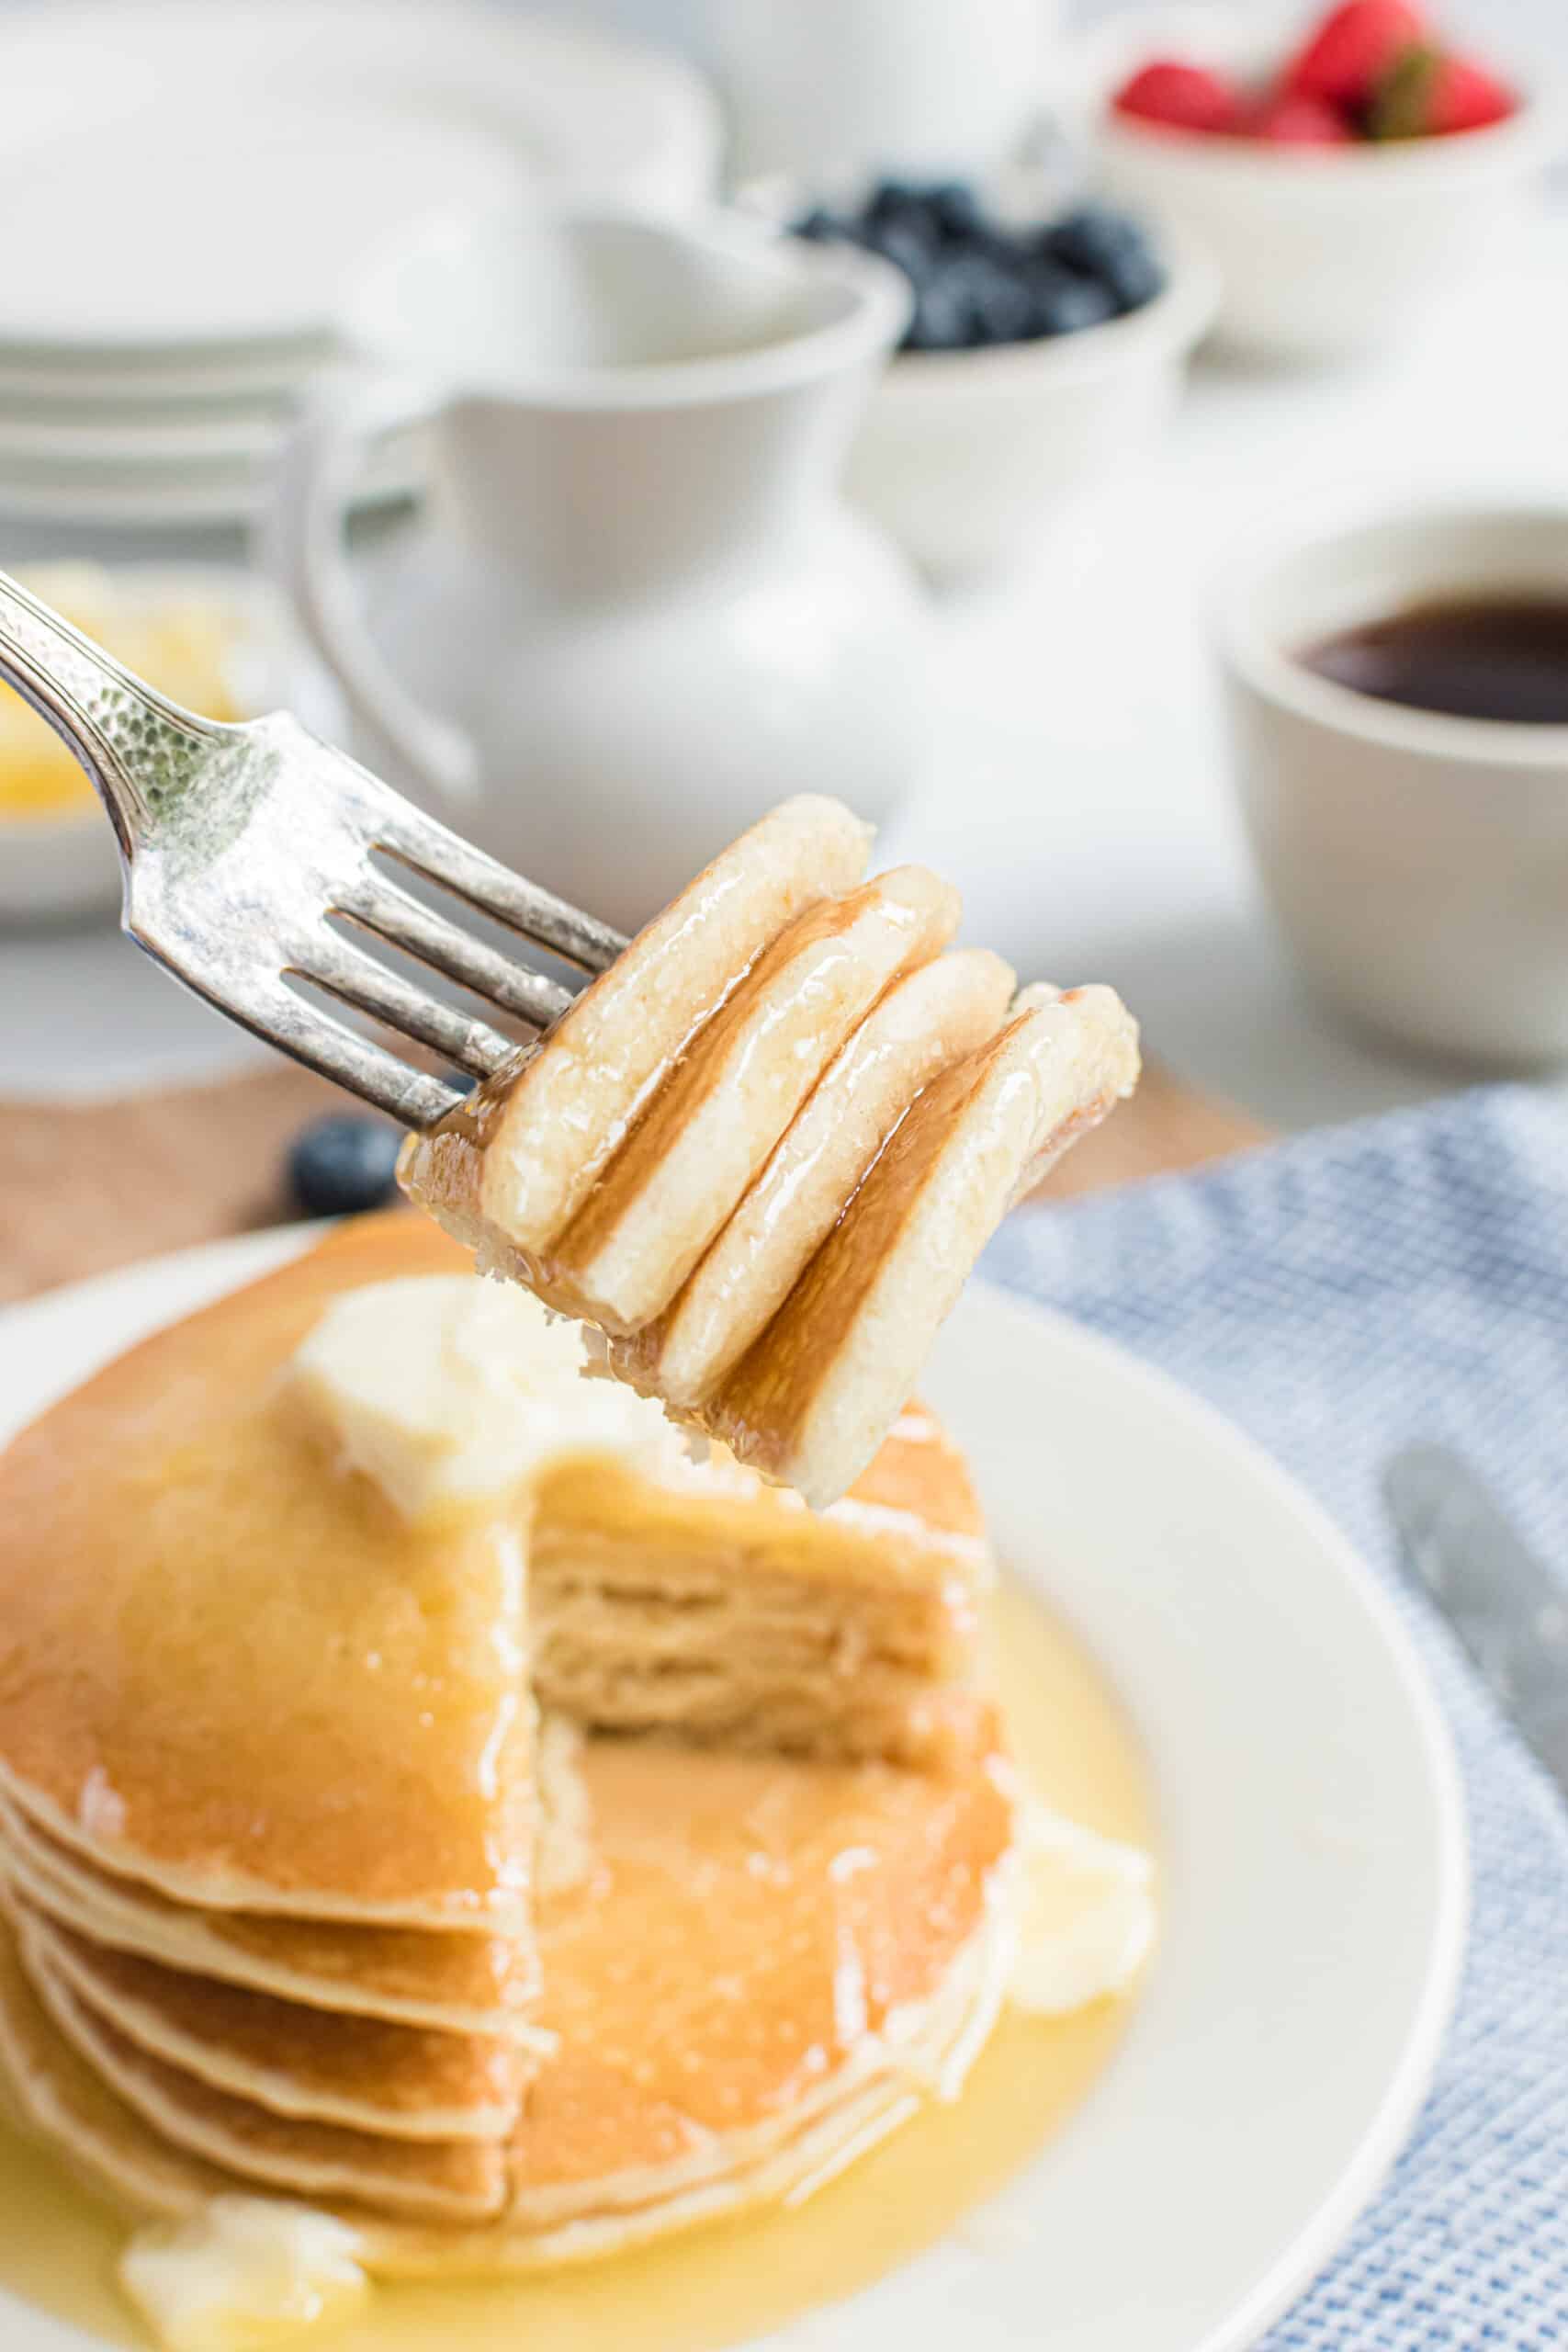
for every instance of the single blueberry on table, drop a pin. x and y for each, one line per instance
(338, 1166)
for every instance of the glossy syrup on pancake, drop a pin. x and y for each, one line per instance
(731, 2281)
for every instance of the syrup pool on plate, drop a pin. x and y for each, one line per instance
(730, 2282)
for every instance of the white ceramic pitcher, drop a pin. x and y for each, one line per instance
(635, 612)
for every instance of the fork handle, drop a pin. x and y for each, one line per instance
(138, 748)
(314, 483)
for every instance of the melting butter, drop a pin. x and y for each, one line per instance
(448, 1393)
(246, 2273)
(1084, 1915)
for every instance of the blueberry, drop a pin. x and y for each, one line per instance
(897, 200)
(338, 1166)
(1135, 277)
(1107, 246)
(1000, 299)
(956, 210)
(896, 241)
(944, 318)
(1088, 237)
(1064, 303)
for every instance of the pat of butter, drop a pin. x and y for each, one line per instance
(1086, 1914)
(246, 2273)
(450, 1392)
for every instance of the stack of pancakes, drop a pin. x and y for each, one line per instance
(304, 1895)
(761, 1152)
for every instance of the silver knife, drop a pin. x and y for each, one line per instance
(1507, 1609)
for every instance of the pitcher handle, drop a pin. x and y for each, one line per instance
(320, 464)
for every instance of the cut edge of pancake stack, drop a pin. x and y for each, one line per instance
(761, 1152)
(462, 2091)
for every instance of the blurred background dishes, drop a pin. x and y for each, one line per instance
(1418, 861)
(1325, 252)
(635, 608)
(822, 89)
(200, 188)
(215, 637)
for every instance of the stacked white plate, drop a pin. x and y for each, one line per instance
(192, 189)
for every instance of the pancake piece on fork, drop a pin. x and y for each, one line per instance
(688, 1238)
(513, 1163)
(811, 1401)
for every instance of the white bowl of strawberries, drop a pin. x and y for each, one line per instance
(1345, 187)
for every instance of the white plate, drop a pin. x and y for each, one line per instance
(132, 381)
(177, 493)
(1313, 1837)
(193, 176)
(61, 441)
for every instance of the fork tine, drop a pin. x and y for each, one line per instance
(417, 840)
(358, 979)
(311, 1035)
(409, 1096)
(399, 918)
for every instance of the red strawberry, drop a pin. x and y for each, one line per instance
(1291, 121)
(1430, 95)
(1352, 50)
(1180, 97)
(1466, 96)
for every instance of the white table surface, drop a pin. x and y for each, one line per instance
(1078, 789)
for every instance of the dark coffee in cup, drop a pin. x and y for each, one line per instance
(1495, 657)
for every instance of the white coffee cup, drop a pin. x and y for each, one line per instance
(1418, 862)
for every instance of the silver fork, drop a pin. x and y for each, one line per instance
(243, 845)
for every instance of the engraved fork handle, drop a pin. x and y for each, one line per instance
(139, 749)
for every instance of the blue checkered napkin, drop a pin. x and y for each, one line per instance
(1337, 1296)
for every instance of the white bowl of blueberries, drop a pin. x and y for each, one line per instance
(1042, 356)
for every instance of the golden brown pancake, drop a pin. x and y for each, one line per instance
(722, 1609)
(406, 2080)
(143, 1729)
(792, 1154)
(769, 1961)
(810, 1402)
(615, 1984)
(926, 1021)
(452, 2180)
(509, 1171)
(244, 1682)
(694, 1150)
(478, 1985)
